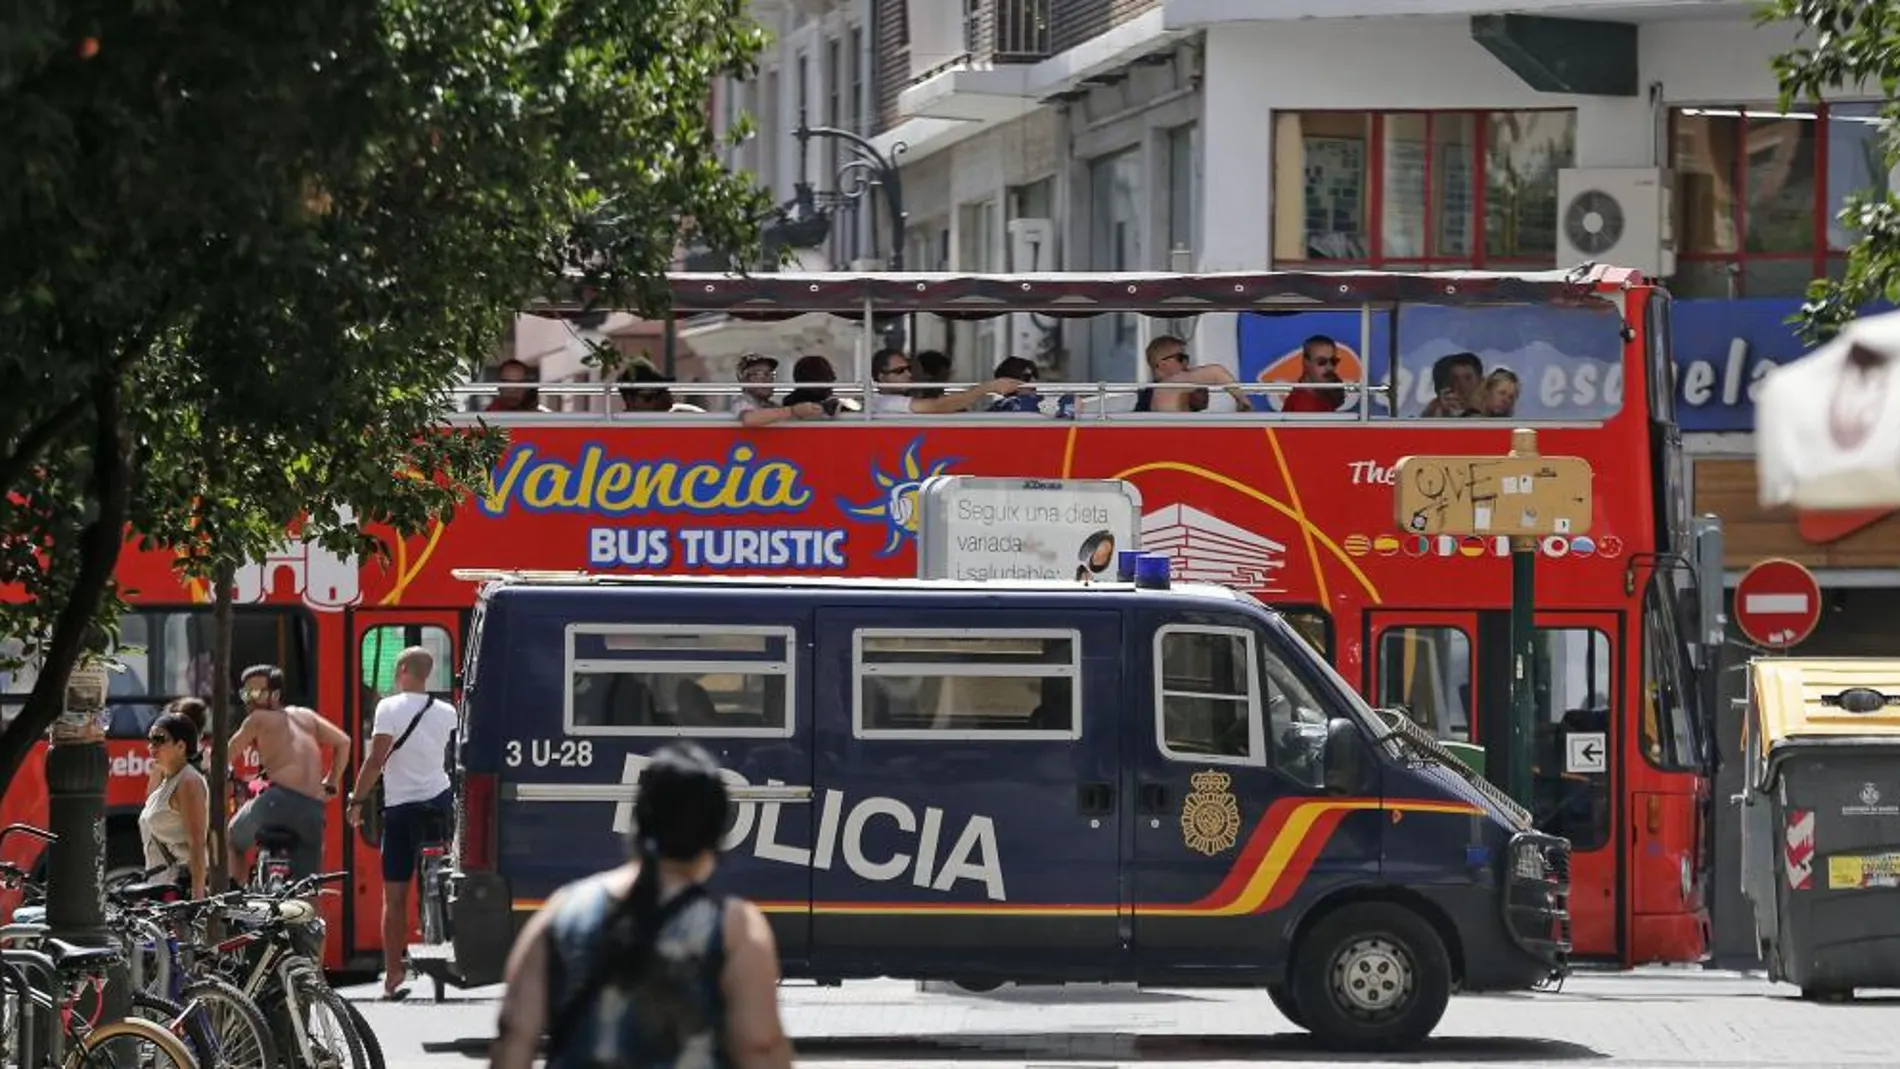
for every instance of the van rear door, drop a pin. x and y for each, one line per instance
(970, 807)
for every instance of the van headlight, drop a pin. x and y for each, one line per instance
(1528, 864)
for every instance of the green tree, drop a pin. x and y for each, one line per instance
(1849, 47)
(247, 248)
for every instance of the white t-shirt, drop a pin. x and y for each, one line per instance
(890, 402)
(415, 773)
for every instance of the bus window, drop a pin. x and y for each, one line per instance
(168, 654)
(1313, 625)
(1428, 671)
(1009, 684)
(384, 643)
(1207, 695)
(1574, 673)
(625, 679)
(1668, 730)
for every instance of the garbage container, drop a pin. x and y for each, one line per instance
(1821, 821)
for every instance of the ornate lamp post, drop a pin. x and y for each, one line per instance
(864, 173)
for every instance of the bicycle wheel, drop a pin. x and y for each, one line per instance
(132, 1041)
(172, 1018)
(234, 1024)
(371, 1045)
(326, 1035)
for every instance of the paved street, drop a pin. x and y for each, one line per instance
(1660, 1017)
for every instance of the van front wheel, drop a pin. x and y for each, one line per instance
(1372, 976)
(1282, 998)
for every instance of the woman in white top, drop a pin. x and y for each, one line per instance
(175, 823)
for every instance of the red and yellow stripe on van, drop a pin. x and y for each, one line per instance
(1279, 852)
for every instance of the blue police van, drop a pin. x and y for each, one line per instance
(987, 782)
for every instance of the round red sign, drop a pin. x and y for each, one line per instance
(1777, 603)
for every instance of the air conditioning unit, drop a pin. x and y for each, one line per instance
(1032, 248)
(1620, 216)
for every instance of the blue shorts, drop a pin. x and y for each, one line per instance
(406, 828)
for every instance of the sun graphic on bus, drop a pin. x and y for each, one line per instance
(896, 504)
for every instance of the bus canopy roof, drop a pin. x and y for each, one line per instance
(774, 296)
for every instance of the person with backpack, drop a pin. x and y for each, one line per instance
(641, 966)
(408, 758)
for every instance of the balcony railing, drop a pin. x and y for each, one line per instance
(1007, 31)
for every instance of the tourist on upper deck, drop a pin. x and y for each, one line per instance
(1168, 361)
(652, 393)
(892, 369)
(515, 399)
(810, 372)
(1498, 396)
(756, 407)
(1319, 362)
(1455, 379)
(930, 366)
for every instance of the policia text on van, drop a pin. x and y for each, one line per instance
(1005, 782)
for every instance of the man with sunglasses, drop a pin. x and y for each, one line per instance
(893, 371)
(290, 743)
(1169, 362)
(1319, 362)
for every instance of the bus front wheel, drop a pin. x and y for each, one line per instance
(1371, 976)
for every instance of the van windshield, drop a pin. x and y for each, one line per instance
(1356, 705)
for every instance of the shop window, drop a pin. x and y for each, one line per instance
(1759, 192)
(1418, 188)
(1574, 672)
(1428, 671)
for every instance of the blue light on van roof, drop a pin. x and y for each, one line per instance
(1151, 572)
(1125, 565)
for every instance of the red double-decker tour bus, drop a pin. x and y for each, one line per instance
(1295, 507)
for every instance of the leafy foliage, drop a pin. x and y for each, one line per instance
(1852, 47)
(247, 249)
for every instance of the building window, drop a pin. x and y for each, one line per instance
(1758, 192)
(1419, 187)
(856, 103)
(1184, 196)
(1115, 199)
(975, 352)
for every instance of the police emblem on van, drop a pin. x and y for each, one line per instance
(1210, 815)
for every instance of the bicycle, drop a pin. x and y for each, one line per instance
(272, 958)
(431, 956)
(43, 982)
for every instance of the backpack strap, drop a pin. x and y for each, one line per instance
(428, 702)
(605, 957)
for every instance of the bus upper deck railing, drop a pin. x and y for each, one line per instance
(1097, 401)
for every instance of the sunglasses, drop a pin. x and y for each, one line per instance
(159, 740)
(897, 369)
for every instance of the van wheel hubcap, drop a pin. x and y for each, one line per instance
(1372, 977)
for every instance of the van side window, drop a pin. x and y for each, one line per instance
(679, 679)
(1207, 695)
(925, 683)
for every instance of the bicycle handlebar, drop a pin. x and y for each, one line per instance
(38, 833)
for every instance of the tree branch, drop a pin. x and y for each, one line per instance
(99, 547)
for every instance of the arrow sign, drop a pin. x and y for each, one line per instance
(1586, 752)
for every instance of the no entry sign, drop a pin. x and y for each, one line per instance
(1777, 603)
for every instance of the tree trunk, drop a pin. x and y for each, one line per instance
(99, 547)
(221, 727)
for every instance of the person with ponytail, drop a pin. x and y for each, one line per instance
(641, 966)
(175, 823)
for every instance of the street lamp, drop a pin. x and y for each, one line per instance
(864, 171)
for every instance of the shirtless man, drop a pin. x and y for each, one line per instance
(289, 743)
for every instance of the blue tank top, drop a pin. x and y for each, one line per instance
(674, 1018)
